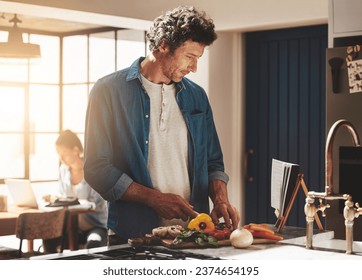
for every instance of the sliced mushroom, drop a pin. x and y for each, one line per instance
(173, 231)
(160, 232)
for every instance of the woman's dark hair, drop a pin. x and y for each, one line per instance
(70, 140)
(180, 25)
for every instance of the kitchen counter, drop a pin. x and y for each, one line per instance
(278, 251)
(291, 248)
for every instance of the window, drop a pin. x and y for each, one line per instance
(102, 54)
(39, 99)
(130, 43)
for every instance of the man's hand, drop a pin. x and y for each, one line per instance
(222, 207)
(167, 205)
(172, 206)
(226, 211)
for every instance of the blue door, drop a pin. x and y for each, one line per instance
(285, 114)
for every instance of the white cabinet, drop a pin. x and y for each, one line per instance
(344, 23)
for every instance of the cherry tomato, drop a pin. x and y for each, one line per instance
(219, 234)
(227, 233)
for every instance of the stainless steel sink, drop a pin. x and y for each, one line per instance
(324, 241)
(337, 245)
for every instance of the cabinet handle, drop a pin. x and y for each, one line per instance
(248, 155)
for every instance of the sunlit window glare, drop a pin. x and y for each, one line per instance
(75, 59)
(101, 63)
(38, 98)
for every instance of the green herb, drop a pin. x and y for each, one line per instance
(199, 237)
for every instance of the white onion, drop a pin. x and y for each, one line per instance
(241, 238)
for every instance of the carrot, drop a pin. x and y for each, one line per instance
(258, 227)
(267, 235)
(265, 225)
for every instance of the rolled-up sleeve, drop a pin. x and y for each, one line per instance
(99, 171)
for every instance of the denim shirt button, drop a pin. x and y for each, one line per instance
(146, 142)
(146, 116)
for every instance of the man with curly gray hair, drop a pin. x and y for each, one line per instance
(180, 25)
(151, 146)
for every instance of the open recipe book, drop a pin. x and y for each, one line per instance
(283, 179)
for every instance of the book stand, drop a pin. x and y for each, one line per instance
(282, 219)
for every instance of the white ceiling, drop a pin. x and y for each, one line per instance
(228, 15)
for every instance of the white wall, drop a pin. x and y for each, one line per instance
(221, 68)
(225, 89)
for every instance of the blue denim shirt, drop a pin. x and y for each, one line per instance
(116, 146)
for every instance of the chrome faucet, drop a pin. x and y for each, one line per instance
(349, 211)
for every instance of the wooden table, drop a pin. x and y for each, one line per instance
(8, 224)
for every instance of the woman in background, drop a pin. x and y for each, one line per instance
(92, 226)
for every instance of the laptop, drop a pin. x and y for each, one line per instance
(22, 193)
(24, 197)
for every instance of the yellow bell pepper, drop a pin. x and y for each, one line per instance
(202, 222)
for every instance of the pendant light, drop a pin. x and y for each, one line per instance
(15, 47)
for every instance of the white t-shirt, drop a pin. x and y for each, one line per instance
(168, 148)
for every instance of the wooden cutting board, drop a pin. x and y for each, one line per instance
(152, 240)
(190, 245)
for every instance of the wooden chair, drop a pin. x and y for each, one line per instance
(41, 225)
